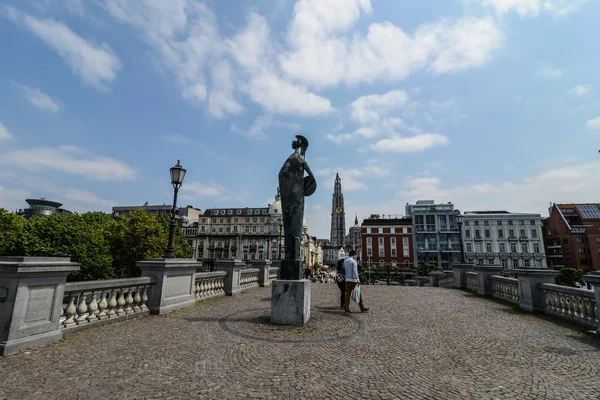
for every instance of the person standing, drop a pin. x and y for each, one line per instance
(341, 281)
(352, 281)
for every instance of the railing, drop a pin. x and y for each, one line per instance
(209, 284)
(506, 289)
(471, 280)
(446, 281)
(94, 301)
(273, 273)
(249, 278)
(572, 304)
(190, 231)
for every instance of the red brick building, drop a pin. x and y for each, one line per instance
(572, 236)
(387, 241)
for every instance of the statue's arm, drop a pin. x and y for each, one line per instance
(307, 169)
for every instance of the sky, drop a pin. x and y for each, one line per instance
(489, 104)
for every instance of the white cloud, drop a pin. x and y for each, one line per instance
(321, 54)
(411, 144)
(352, 177)
(261, 124)
(13, 199)
(69, 159)
(549, 73)
(580, 90)
(361, 133)
(221, 100)
(593, 124)
(5, 133)
(531, 8)
(39, 99)
(369, 109)
(95, 64)
(197, 189)
(560, 8)
(86, 197)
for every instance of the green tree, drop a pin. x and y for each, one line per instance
(11, 234)
(569, 276)
(423, 269)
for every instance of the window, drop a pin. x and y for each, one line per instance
(254, 219)
(254, 229)
(203, 220)
(238, 212)
(500, 233)
(522, 222)
(381, 263)
(503, 263)
(235, 228)
(522, 233)
(246, 229)
(235, 220)
(487, 233)
(579, 240)
(502, 248)
(598, 250)
(467, 233)
(565, 241)
(369, 240)
(406, 252)
(534, 233)
(513, 247)
(368, 230)
(511, 233)
(524, 248)
(477, 233)
(369, 252)
(532, 222)
(392, 230)
(406, 264)
(499, 223)
(581, 250)
(228, 229)
(469, 247)
(381, 241)
(476, 223)
(598, 240)
(480, 262)
(405, 240)
(394, 263)
(393, 240)
(262, 219)
(262, 229)
(214, 220)
(510, 222)
(214, 230)
(223, 212)
(491, 261)
(536, 247)
(247, 220)
(488, 247)
(467, 223)
(486, 223)
(202, 229)
(515, 264)
(538, 263)
(394, 252)
(477, 247)
(404, 230)
(380, 230)
(527, 264)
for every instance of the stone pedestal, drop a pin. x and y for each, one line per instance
(434, 278)
(174, 287)
(234, 271)
(460, 279)
(594, 279)
(530, 296)
(31, 294)
(484, 284)
(263, 271)
(291, 270)
(421, 280)
(290, 302)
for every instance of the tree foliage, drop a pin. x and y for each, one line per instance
(569, 276)
(105, 248)
(423, 269)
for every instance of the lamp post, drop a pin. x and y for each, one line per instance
(279, 245)
(459, 222)
(421, 257)
(177, 175)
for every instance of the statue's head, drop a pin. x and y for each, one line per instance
(300, 143)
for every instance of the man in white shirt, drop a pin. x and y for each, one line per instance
(352, 280)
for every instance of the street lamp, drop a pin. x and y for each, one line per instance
(459, 221)
(421, 258)
(177, 175)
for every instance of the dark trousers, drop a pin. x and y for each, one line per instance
(342, 286)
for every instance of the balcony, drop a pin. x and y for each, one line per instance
(478, 238)
(554, 246)
(578, 230)
(512, 238)
(447, 247)
(523, 238)
(555, 255)
(449, 228)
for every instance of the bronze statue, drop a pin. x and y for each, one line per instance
(294, 186)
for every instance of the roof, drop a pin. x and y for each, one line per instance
(43, 202)
(145, 207)
(585, 211)
(234, 211)
(498, 215)
(387, 221)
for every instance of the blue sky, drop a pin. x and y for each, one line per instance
(490, 104)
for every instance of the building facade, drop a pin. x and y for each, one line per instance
(513, 240)
(436, 237)
(353, 238)
(572, 236)
(387, 241)
(338, 215)
(187, 215)
(42, 207)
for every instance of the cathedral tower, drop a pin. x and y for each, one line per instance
(338, 214)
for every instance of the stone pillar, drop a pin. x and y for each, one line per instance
(263, 274)
(232, 280)
(421, 280)
(434, 278)
(530, 296)
(174, 287)
(277, 264)
(460, 280)
(594, 279)
(31, 295)
(290, 302)
(484, 284)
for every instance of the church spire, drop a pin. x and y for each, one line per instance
(278, 195)
(338, 214)
(356, 220)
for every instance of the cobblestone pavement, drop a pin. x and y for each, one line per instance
(415, 343)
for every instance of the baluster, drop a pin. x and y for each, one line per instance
(577, 307)
(129, 301)
(92, 308)
(196, 288)
(585, 317)
(70, 311)
(202, 284)
(112, 304)
(144, 299)
(81, 309)
(102, 305)
(136, 300)
(120, 303)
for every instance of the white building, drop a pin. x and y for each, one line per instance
(512, 240)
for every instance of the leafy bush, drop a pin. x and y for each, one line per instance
(569, 276)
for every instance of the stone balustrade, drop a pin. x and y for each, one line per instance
(506, 289)
(572, 304)
(209, 284)
(446, 280)
(471, 278)
(249, 278)
(273, 273)
(91, 302)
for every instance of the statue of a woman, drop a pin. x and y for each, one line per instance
(293, 188)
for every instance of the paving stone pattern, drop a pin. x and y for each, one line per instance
(415, 343)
